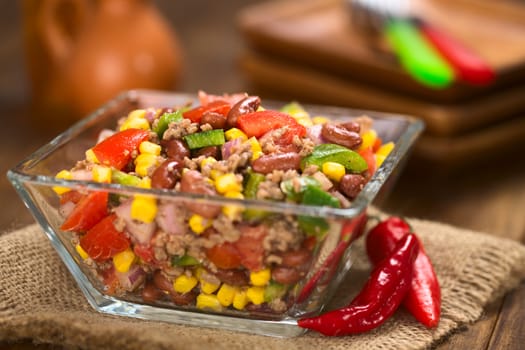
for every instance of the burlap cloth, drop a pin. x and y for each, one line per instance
(41, 302)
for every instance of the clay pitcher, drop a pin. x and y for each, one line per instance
(82, 53)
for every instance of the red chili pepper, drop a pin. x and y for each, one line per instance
(379, 298)
(423, 299)
(117, 150)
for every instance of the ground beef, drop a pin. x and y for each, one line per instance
(226, 228)
(305, 145)
(180, 129)
(283, 235)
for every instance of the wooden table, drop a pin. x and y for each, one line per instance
(489, 197)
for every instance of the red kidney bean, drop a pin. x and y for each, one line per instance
(339, 135)
(216, 120)
(183, 299)
(246, 105)
(351, 126)
(286, 275)
(150, 293)
(210, 151)
(351, 184)
(296, 258)
(234, 277)
(175, 149)
(277, 161)
(194, 182)
(162, 283)
(167, 174)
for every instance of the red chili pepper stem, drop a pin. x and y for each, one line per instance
(379, 298)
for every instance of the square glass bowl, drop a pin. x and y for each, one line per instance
(329, 259)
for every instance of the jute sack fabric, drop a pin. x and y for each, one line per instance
(40, 301)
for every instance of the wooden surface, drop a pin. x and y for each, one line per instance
(489, 197)
(318, 35)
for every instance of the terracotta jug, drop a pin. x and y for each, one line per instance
(81, 53)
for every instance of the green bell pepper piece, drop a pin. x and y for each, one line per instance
(329, 152)
(313, 225)
(274, 291)
(294, 188)
(184, 260)
(123, 178)
(208, 138)
(165, 120)
(250, 192)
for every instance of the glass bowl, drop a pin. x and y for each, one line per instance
(329, 257)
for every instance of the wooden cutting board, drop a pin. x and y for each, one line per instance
(274, 78)
(320, 33)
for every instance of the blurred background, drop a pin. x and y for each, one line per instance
(60, 59)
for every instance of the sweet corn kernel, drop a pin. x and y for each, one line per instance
(240, 299)
(214, 173)
(183, 284)
(369, 137)
(233, 212)
(226, 294)
(319, 120)
(148, 147)
(208, 287)
(379, 160)
(91, 157)
(144, 208)
(208, 301)
(255, 148)
(137, 113)
(235, 133)
(199, 224)
(385, 149)
(123, 260)
(65, 175)
(145, 182)
(208, 161)
(101, 173)
(136, 123)
(260, 278)
(333, 170)
(227, 183)
(144, 162)
(304, 119)
(81, 252)
(255, 295)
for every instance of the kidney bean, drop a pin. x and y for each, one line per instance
(339, 135)
(246, 105)
(210, 151)
(351, 184)
(277, 161)
(167, 174)
(286, 275)
(351, 126)
(194, 182)
(216, 120)
(183, 299)
(150, 293)
(234, 277)
(296, 258)
(162, 283)
(175, 149)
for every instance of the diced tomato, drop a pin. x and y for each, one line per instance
(378, 142)
(259, 123)
(71, 196)
(103, 240)
(117, 150)
(250, 246)
(145, 252)
(224, 256)
(216, 106)
(87, 213)
(111, 281)
(370, 158)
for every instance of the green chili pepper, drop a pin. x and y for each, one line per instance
(329, 152)
(202, 139)
(123, 178)
(184, 260)
(165, 120)
(313, 225)
(294, 188)
(250, 192)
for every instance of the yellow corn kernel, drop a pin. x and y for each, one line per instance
(255, 148)
(183, 284)
(81, 252)
(65, 175)
(303, 119)
(379, 160)
(240, 299)
(145, 182)
(369, 137)
(144, 208)
(255, 295)
(136, 120)
(260, 278)
(319, 120)
(333, 170)
(214, 173)
(385, 149)
(235, 133)
(123, 260)
(208, 161)
(148, 147)
(226, 294)
(232, 211)
(199, 224)
(208, 301)
(227, 183)
(91, 157)
(137, 113)
(144, 162)
(208, 287)
(101, 173)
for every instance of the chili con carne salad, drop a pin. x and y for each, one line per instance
(211, 256)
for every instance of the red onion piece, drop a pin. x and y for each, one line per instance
(139, 231)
